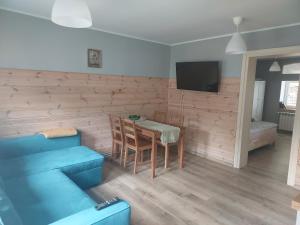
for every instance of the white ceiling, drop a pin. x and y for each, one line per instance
(174, 21)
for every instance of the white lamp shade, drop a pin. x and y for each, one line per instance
(71, 13)
(236, 45)
(275, 67)
(291, 68)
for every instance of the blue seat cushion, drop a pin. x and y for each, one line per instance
(8, 214)
(44, 198)
(69, 160)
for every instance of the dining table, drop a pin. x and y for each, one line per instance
(167, 134)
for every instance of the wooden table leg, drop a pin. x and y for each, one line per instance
(153, 156)
(181, 152)
(166, 156)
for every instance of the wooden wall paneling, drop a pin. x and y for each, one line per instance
(209, 118)
(35, 100)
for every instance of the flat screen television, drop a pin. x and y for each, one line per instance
(198, 76)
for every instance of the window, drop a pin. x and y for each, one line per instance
(288, 93)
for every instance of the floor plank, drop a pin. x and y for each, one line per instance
(272, 161)
(205, 192)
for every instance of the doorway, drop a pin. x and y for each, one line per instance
(273, 112)
(245, 109)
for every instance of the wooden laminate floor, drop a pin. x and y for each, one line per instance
(204, 192)
(273, 161)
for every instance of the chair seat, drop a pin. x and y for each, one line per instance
(143, 145)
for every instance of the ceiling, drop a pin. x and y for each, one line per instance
(174, 21)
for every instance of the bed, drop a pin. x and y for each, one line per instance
(262, 133)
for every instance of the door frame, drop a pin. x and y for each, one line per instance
(245, 109)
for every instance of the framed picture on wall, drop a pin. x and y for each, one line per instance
(95, 58)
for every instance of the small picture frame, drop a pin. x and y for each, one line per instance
(94, 58)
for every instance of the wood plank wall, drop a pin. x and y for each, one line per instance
(210, 119)
(35, 100)
(31, 101)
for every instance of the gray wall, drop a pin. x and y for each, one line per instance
(273, 85)
(31, 43)
(214, 49)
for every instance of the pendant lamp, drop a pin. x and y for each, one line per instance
(71, 13)
(236, 45)
(275, 67)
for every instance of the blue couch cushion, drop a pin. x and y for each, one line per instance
(44, 198)
(69, 160)
(20, 146)
(8, 215)
(1, 183)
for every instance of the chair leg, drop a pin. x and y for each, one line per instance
(135, 162)
(125, 156)
(121, 153)
(161, 152)
(142, 156)
(117, 150)
(113, 150)
(166, 156)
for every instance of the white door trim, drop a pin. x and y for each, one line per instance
(245, 108)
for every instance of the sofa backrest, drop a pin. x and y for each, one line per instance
(15, 147)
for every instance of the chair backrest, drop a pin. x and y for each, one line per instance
(160, 117)
(116, 128)
(130, 132)
(175, 118)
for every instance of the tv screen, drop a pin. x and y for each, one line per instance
(198, 76)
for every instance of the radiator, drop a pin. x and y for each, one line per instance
(286, 121)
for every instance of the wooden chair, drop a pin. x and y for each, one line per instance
(174, 119)
(135, 142)
(160, 117)
(117, 136)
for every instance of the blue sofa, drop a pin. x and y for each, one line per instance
(42, 182)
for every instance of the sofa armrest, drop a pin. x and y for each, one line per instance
(117, 214)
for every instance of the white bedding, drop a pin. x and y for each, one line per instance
(261, 125)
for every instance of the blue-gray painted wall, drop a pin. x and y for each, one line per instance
(214, 49)
(31, 43)
(273, 85)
